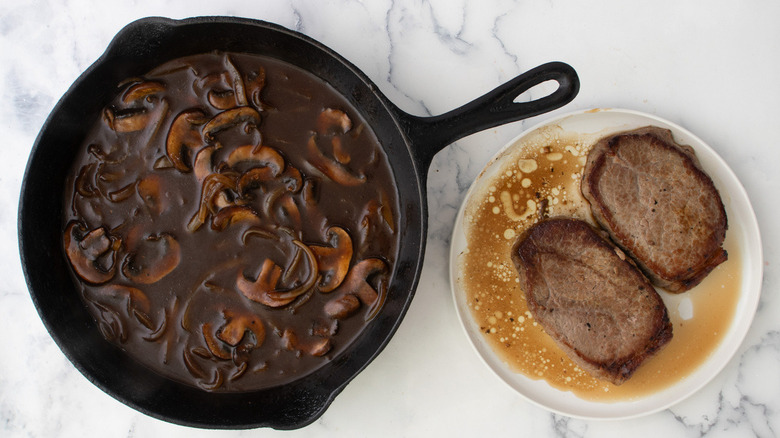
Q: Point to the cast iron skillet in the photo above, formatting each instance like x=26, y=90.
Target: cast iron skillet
x=410, y=143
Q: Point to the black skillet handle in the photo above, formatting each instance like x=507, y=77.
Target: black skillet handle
x=429, y=135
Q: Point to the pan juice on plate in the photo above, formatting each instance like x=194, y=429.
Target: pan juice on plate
x=231, y=221
x=541, y=177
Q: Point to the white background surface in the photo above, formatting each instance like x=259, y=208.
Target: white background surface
x=711, y=66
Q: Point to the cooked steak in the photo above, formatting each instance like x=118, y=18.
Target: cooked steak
x=658, y=205
x=596, y=305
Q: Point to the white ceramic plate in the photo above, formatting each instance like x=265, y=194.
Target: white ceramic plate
x=742, y=226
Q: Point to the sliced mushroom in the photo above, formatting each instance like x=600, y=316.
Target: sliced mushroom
x=183, y=137
x=128, y=119
x=136, y=116
x=159, y=256
x=203, y=164
x=222, y=99
x=356, y=286
x=252, y=178
x=333, y=260
x=202, y=352
x=292, y=179
x=291, y=342
x=123, y=193
x=211, y=342
x=142, y=90
x=211, y=188
x=320, y=347
x=333, y=121
x=293, y=267
x=339, y=151
x=115, y=156
x=357, y=279
x=219, y=92
x=85, y=252
x=225, y=199
x=266, y=282
x=114, y=182
x=264, y=291
x=257, y=155
x=381, y=289
x=308, y=282
x=342, y=307
x=270, y=200
x=163, y=163
x=331, y=168
x=241, y=358
x=215, y=382
x=84, y=181
x=150, y=190
x=236, y=327
x=240, y=370
x=229, y=118
x=234, y=214
x=236, y=81
x=254, y=86
x=258, y=233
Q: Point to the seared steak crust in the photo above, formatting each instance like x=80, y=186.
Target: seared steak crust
x=652, y=197
x=596, y=305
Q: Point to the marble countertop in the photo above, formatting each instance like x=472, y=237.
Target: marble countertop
x=710, y=66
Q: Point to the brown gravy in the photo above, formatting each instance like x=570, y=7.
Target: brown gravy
x=231, y=221
x=544, y=174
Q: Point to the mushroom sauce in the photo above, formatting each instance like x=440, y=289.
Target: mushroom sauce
x=231, y=221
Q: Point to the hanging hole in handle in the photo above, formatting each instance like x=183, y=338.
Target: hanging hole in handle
x=538, y=91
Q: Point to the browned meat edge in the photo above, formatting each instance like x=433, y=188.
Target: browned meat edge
x=672, y=277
